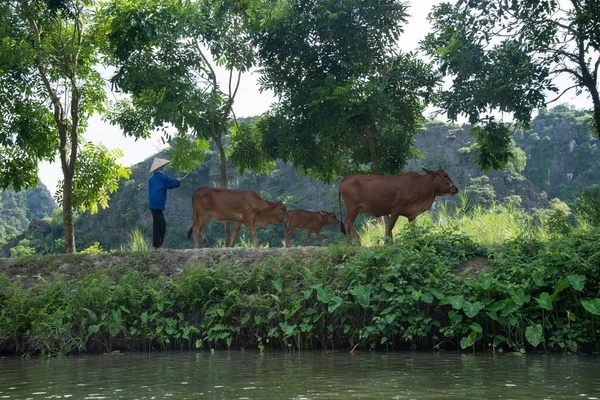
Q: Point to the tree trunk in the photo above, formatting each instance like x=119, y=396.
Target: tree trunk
x=589, y=78
x=222, y=173
x=68, y=215
x=67, y=166
x=371, y=141
x=372, y=153
x=596, y=100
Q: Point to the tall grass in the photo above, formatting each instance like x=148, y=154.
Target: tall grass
x=137, y=242
x=488, y=226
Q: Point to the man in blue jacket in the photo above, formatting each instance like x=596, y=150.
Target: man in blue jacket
x=157, y=196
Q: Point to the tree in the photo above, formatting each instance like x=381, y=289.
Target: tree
x=165, y=53
x=49, y=87
x=503, y=57
x=347, y=101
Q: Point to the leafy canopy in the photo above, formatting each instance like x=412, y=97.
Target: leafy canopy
x=97, y=174
x=345, y=98
x=165, y=53
x=502, y=58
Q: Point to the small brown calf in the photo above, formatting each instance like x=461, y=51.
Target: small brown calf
x=314, y=221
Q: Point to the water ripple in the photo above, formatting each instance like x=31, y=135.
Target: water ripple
x=306, y=375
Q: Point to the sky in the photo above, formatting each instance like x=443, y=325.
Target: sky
x=249, y=102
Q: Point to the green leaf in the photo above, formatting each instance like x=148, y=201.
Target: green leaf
x=534, y=335
x=591, y=306
x=486, y=279
x=277, y=284
x=93, y=329
x=324, y=294
x=464, y=343
x=390, y=318
x=389, y=287
x=220, y=312
x=538, y=278
x=562, y=285
x=246, y=318
x=456, y=301
x=334, y=303
x=471, y=309
x=427, y=298
x=362, y=294
x=475, y=327
x=545, y=301
x=577, y=282
x=519, y=297
x=117, y=315
x=455, y=317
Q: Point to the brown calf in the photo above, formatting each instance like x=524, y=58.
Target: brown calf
x=314, y=221
x=237, y=206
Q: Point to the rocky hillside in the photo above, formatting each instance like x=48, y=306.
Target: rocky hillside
x=18, y=210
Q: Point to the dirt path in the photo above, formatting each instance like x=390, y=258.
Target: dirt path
x=168, y=262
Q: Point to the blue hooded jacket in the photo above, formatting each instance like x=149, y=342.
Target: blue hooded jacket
x=157, y=190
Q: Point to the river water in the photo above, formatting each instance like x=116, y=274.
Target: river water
x=305, y=375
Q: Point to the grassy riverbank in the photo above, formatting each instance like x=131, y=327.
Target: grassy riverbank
x=435, y=288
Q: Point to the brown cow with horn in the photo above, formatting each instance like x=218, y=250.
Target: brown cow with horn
x=314, y=221
x=237, y=206
x=408, y=194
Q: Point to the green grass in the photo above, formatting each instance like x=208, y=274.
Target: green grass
x=491, y=226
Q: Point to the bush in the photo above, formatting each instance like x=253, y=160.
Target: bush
x=587, y=207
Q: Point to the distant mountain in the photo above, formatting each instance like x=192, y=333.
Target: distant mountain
x=17, y=209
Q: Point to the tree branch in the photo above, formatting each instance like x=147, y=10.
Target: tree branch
x=563, y=92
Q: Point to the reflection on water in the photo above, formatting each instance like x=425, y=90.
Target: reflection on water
x=306, y=375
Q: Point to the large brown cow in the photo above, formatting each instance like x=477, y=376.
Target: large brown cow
x=237, y=206
x=314, y=221
x=407, y=194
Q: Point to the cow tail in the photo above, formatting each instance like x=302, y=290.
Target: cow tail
x=190, y=233
x=342, y=228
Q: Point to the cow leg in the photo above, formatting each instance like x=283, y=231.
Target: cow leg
x=354, y=231
x=195, y=230
x=198, y=227
x=307, y=237
x=390, y=227
x=250, y=225
x=349, y=226
x=319, y=237
x=236, y=230
x=203, y=222
x=287, y=233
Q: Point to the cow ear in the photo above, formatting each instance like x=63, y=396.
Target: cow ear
x=428, y=171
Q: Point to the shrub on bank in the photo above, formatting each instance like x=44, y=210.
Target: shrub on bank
x=434, y=288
